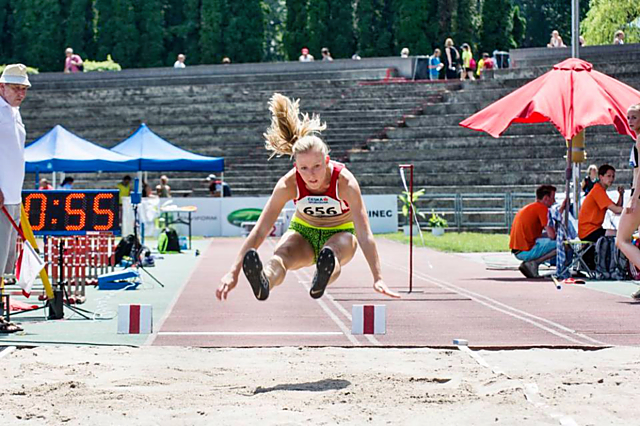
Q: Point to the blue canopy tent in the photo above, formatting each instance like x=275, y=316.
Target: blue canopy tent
x=152, y=153
x=59, y=150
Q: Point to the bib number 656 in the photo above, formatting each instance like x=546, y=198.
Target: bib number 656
x=320, y=211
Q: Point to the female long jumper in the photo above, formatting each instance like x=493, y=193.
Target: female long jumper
x=330, y=218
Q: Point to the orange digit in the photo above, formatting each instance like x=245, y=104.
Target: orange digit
x=43, y=209
x=97, y=210
x=75, y=212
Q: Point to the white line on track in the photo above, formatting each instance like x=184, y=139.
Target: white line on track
x=531, y=391
x=339, y=308
x=564, y=333
x=6, y=351
x=304, y=278
x=250, y=333
x=169, y=309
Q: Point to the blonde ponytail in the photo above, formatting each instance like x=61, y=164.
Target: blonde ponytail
x=287, y=128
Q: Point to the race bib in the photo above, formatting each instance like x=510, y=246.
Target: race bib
x=319, y=206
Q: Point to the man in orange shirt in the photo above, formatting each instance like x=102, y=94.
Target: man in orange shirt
x=527, y=242
x=594, y=209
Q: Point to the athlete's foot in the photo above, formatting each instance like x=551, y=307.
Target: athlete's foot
x=324, y=268
x=252, y=268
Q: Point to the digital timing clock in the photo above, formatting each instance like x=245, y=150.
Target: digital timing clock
x=72, y=212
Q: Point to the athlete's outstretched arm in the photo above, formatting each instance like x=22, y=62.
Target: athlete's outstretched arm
x=350, y=191
x=282, y=193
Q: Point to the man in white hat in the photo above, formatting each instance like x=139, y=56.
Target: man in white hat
x=14, y=83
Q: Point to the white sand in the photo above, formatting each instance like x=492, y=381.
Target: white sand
x=324, y=386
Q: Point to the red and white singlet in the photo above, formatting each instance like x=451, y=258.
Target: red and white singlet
x=327, y=205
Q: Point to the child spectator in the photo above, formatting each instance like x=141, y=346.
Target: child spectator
x=435, y=65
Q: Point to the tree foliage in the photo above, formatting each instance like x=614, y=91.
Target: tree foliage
x=296, y=34
x=342, y=38
x=518, y=28
x=413, y=26
x=374, y=28
x=604, y=18
x=319, y=13
x=152, y=33
x=466, y=23
x=212, y=31
x=495, y=32
x=244, y=31
x=274, y=17
x=145, y=33
x=37, y=39
x=79, y=28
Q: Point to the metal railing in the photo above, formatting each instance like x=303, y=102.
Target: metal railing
x=501, y=211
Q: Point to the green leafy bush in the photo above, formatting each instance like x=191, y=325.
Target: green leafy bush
x=29, y=69
x=408, y=201
x=437, y=221
x=108, y=65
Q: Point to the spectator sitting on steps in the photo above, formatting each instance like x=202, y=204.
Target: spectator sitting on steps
x=179, y=63
x=556, y=40
x=44, y=185
x=527, y=242
x=326, y=55
x=305, y=57
x=72, y=62
x=216, y=185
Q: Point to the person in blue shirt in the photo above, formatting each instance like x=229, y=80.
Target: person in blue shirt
x=435, y=65
x=67, y=183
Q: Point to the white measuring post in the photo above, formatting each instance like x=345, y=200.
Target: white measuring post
x=368, y=319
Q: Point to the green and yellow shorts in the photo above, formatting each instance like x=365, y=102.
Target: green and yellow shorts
x=317, y=236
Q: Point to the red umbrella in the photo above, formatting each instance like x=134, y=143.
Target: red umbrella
x=572, y=96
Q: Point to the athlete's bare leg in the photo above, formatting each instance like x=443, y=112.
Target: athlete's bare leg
x=344, y=246
x=292, y=252
x=629, y=222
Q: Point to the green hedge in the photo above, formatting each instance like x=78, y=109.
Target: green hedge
x=29, y=69
x=108, y=65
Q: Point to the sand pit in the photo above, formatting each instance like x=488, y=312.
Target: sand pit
x=285, y=386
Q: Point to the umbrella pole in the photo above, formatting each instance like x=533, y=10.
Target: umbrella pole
x=568, y=179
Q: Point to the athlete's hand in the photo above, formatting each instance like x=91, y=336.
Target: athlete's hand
x=227, y=283
x=633, y=204
x=382, y=288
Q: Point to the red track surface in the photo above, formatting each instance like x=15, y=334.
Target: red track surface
x=456, y=298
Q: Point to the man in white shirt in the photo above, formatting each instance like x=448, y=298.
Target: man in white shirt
x=306, y=56
x=13, y=89
x=180, y=62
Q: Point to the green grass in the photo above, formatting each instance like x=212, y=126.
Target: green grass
x=456, y=242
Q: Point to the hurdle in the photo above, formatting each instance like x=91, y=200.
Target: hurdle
x=85, y=257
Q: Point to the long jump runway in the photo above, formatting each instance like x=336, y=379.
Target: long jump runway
x=453, y=297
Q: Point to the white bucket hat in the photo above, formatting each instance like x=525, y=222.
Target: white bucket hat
x=15, y=74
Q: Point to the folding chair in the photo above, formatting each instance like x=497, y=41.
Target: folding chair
x=575, y=261
x=570, y=249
